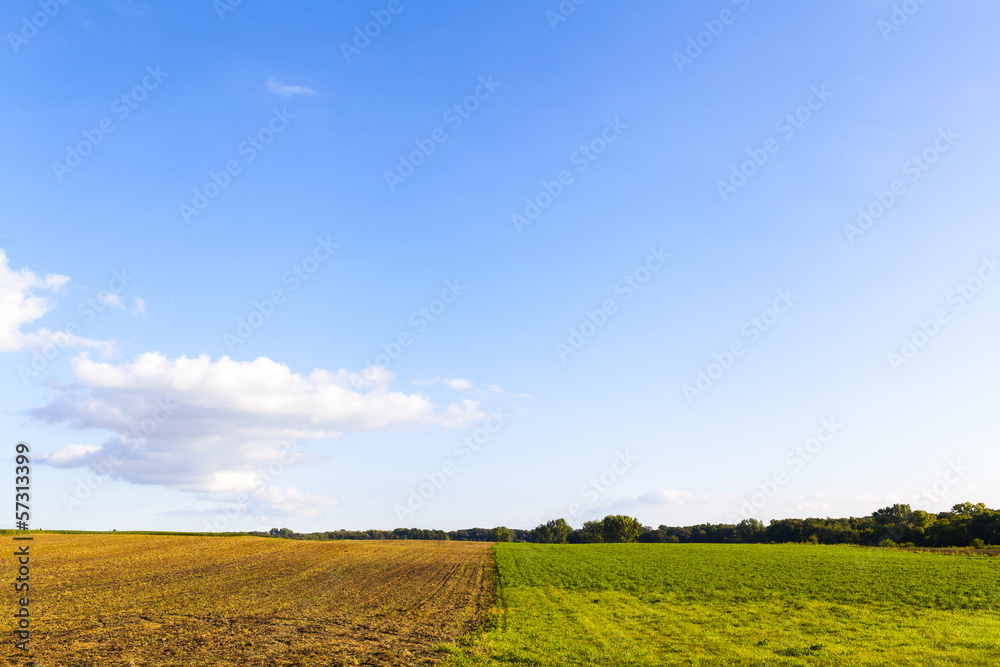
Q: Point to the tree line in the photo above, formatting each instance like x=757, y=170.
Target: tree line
x=965, y=525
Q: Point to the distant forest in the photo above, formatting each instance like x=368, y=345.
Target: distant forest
x=965, y=525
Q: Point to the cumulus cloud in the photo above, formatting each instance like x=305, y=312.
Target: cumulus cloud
x=290, y=501
x=211, y=426
x=25, y=298
x=267, y=503
x=663, y=505
x=278, y=88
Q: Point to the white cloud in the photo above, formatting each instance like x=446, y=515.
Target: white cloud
x=140, y=306
x=68, y=454
x=278, y=88
x=211, y=426
x=664, y=497
x=266, y=503
x=290, y=501
x=462, y=384
x=20, y=304
x=111, y=300
x=458, y=384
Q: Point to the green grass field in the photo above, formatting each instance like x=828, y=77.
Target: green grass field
x=670, y=604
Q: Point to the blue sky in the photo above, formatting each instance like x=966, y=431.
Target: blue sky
x=676, y=175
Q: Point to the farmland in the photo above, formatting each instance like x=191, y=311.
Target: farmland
x=171, y=600
x=144, y=600
x=653, y=604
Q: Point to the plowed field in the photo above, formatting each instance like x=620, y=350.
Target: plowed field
x=171, y=600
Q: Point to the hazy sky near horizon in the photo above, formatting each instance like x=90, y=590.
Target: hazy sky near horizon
x=381, y=264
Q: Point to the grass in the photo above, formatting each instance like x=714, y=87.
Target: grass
x=664, y=604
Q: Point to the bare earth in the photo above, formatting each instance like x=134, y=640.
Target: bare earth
x=171, y=600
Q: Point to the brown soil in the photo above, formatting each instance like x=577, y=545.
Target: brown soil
x=144, y=600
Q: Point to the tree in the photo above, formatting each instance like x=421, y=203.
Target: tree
x=502, y=534
x=968, y=509
x=620, y=528
x=891, y=516
x=592, y=531
x=552, y=532
x=750, y=530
